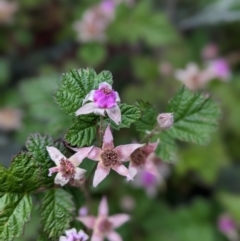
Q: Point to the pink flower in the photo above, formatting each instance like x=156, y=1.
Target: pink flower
x=108, y=6
x=7, y=9
x=193, y=77
x=110, y=157
x=228, y=227
x=73, y=235
x=83, y=211
x=220, y=69
x=102, y=100
x=103, y=225
x=67, y=168
x=149, y=181
x=141, y=159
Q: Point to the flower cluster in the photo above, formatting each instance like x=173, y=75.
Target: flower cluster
x=141, y=158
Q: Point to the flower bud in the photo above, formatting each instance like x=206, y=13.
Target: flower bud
x=165, y=120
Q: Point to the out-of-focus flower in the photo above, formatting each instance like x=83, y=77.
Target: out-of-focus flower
x=95, y=21
x=7, y=9
x=192, y=77
x=165, y=120
x=141, y=159
x=210, y=51
x=67, y=168
x=110, y=157
x=83, y=211
x=165, y=68
x=219, y=68
x=10, y=119
x=73, y=235
x=127, y=203
x=104, y=225
x=228, y=227
x=150, y=182
x=102, y=100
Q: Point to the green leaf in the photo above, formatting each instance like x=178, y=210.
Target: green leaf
x=152, y=27
x=56, y=212
x=195, y=117
x=83, y=131
x=130, y=114
x=15, y=211
x=75, y=85
x=23, y=175
x=166, y=148
x=148, y=118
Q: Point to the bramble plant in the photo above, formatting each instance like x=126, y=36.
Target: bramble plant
x=51, y=170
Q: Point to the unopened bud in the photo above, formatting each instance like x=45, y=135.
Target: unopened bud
x=165, y=120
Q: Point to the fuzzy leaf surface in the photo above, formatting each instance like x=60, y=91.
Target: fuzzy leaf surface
x=22, y=175
x=76, y=84
x=56, y=212
x=195, y=117
x=83, y=131
x=15, y=211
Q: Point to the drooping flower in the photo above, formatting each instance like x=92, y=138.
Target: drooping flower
x=104, y=225
x=67, y=168
x=228, y=227
x=192, y=77
x=150, y=182
x=7, y=9
x=102, y=100
x=219, y=68
x=141, y=159
x=165, y=120
x=110, y=157
x=73, y=235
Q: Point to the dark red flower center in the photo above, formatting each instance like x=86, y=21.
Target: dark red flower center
x=109, y=157
x=67, y=169
x=139, y=156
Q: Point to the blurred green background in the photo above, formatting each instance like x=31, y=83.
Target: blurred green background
x=143, y=43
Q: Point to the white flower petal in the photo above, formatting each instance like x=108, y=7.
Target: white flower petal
x=79, y=173
x=108, y=139
x=63, y=238
x=55, y=154
x=117, y=97
x=132, y=169
x=103, y=207
x=104, y=84
x=78, y=157
x=114, y=236
x=122, y=170
x=71, y=231
x=89, y=97
x=100, y=173
x=114, y=113
x=99, y=111
x=118, y=219
x=86, y=109
x=59, y=179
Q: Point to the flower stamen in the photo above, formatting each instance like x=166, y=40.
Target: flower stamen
x=67, y=169
x=109, y=158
